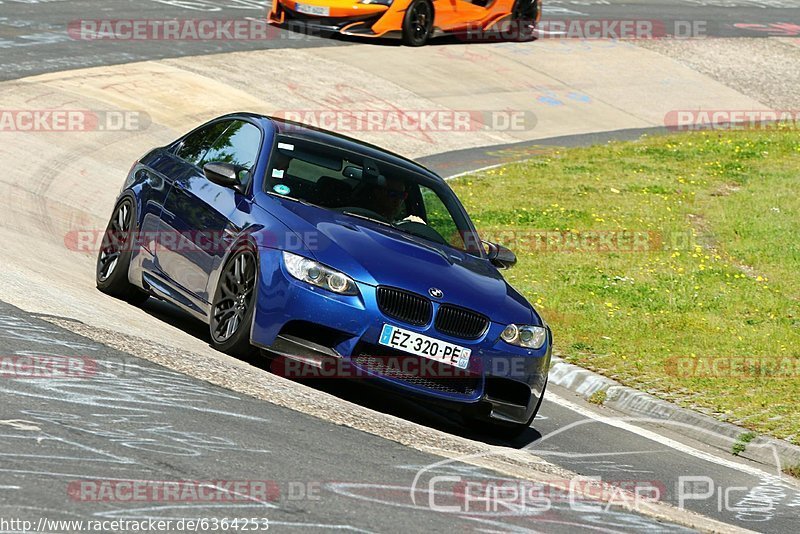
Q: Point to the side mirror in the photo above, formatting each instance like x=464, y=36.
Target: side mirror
x=500, y=256
x=224, y=174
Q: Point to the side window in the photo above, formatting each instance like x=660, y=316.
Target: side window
x=238, y=145
x=439, y=218
x=197, y=144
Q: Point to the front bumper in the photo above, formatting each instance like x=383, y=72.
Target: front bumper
x=347, y=19
x=340, y=334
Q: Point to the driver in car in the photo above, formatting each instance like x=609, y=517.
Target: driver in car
x=388, y=199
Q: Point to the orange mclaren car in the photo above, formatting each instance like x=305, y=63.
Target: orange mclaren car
x=415, y=21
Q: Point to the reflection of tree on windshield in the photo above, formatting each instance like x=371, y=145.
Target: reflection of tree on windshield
x=234, y=142
x=236, y=146
x=198, y=144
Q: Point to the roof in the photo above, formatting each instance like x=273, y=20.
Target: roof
x=312, y=133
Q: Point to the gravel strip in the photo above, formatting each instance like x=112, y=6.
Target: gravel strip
x=765, y=69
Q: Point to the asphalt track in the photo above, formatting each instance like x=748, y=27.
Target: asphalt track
x=619, y=450
x=201, y=432
x=456, y=162
x=34, y=36
x=121, y=418
x=70, y=444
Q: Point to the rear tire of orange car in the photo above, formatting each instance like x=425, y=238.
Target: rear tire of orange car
x=417, y=23
x=523, y=17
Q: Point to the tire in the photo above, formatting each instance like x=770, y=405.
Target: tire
x=417, y=23
x=114, y=258
x=506, y=431
x=234, y=303
x=523, y=18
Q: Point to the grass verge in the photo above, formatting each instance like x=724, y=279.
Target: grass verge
x=669, y=264
x=598, y=397
x=741, y=443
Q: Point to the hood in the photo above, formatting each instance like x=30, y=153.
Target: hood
x=376, y=254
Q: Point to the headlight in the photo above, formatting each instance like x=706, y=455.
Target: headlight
x=316, y=274
x=379, y=2
x=526, y=336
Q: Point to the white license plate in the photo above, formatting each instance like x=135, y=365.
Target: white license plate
x=434, y=349
x=320, y=11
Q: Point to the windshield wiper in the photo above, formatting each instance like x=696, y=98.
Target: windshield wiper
x=293, y=199
x=371, y=219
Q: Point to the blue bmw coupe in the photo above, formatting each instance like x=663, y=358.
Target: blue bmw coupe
x=316, y=248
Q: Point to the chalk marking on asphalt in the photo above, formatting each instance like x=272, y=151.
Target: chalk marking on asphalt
x=18, y=424
x=658, y=438
x=81, y=476
x=142, y=513
x=623, y=424
x=576, y=527
x=102, y=456
x=320, y=525
x=135, y=514
x=254, y=502
x=495, y=517
x=75, y=396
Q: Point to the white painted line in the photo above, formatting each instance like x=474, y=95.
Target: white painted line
x=658, y=438
x=490, y=167
x=592, y=454
x=476, y=171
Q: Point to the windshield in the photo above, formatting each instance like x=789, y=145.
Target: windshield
x=355, y=185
